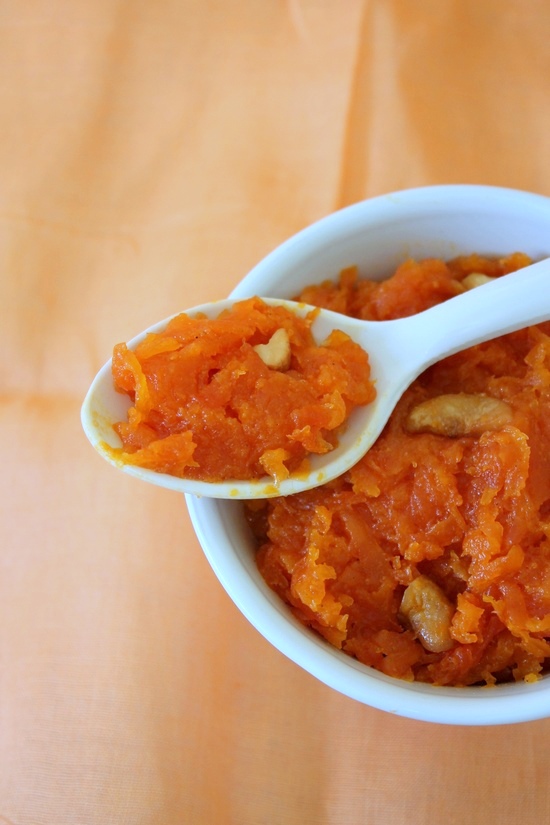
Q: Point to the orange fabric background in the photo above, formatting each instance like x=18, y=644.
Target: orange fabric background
x=151, y=153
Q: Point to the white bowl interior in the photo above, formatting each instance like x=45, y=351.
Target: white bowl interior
x=377, y=235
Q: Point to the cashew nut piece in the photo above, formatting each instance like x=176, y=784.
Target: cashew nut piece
x=475, y=279
x=458, y=414
x=276, y=353
x=428, y=612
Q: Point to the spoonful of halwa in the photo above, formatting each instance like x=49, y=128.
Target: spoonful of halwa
x=264, y=397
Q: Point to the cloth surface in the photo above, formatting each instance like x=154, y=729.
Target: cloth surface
x=151, y=154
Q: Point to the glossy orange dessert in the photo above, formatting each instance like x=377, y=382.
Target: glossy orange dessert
x=430, y=559
x=247, y=394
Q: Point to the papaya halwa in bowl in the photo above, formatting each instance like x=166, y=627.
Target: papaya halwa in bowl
x=419, y=582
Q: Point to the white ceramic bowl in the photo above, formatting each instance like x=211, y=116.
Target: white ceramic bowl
x=377, y=235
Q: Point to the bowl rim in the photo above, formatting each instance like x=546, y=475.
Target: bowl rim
x=502, y=704
x=384, y=208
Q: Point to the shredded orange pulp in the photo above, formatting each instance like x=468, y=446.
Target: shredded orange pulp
x=206, y=406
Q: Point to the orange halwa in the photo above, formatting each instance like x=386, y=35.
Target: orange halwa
x=243, y=395
x=430, y=559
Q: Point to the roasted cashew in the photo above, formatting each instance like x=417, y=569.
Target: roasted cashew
x=475, y=279
x=458, y=414
x=428, y=612
x=276, y=353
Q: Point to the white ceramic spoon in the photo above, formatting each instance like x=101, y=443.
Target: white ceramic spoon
x=398, y=352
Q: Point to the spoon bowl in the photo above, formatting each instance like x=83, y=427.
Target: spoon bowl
x=398, y=351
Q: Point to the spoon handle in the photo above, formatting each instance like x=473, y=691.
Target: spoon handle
x=508, y=303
